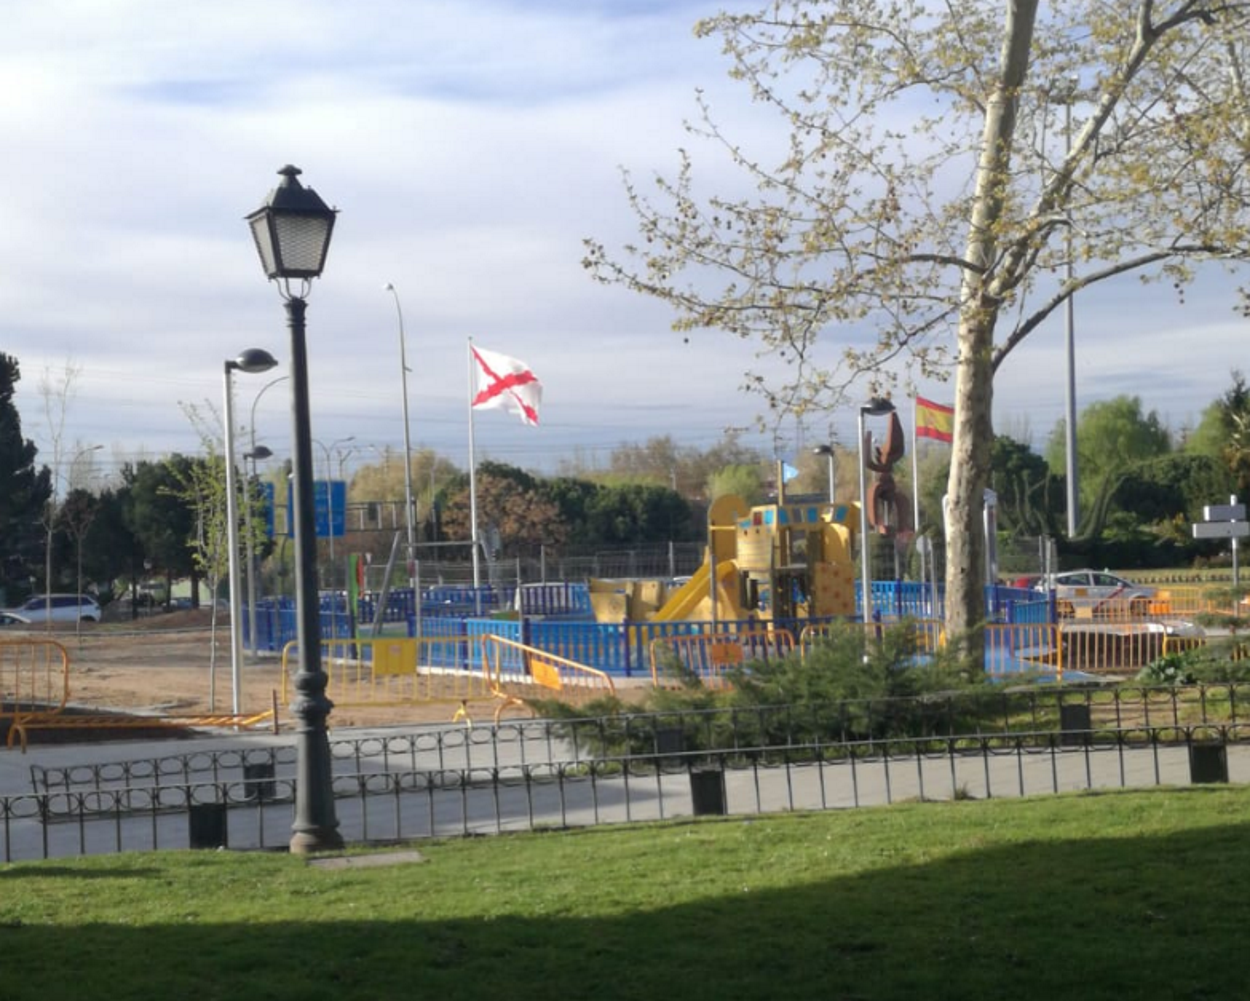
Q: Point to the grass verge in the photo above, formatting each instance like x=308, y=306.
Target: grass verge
x=1122, y=895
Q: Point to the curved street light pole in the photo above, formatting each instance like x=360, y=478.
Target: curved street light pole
x=255, y=453
x=252, y=361
x=256, y=400
x=50, y=525
x=403, y=377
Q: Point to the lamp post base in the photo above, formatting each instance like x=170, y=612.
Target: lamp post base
x=315, y=827
x=319, y=840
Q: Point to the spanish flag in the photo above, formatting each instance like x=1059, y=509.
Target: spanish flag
x=934, y=420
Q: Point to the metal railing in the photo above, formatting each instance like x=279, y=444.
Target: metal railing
x=523, y=774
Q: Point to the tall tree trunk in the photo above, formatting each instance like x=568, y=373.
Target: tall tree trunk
x=974, y=391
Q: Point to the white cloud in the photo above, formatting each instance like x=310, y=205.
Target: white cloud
x=470, y=148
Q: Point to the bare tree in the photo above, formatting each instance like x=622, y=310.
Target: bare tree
x=201, y=485
x=57, y=391
x=78, y=511
x=928, y=210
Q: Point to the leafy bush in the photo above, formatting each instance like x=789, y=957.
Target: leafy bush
x=852, y=686
x=849, y=686
x=1170, y=669
x=1219, y=670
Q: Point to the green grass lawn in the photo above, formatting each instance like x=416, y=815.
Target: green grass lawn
x=1118, y=896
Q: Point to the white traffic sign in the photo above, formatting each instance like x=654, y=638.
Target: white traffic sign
x=1224, y=512
x=1221, y=529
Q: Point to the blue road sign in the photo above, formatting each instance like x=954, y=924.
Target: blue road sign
x=266, y=490
x=329, y=497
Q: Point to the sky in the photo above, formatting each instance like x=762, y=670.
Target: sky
x=469, y=148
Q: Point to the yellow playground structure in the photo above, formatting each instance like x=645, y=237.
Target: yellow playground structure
x=774, y=561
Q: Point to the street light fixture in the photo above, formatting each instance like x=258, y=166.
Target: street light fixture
x=876, y=407
x=403, y=377
x=292, y=232
x=252, y=361
x=828, y=452
x=255, y=453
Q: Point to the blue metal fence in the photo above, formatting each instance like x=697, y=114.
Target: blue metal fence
x=558, y=618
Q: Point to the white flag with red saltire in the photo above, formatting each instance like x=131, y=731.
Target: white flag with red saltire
x=500, y=381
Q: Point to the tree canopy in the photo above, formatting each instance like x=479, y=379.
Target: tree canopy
x=159, y=517
x=24, y=489
x=929, y=209
x=1224, y=433
x=1112, y=436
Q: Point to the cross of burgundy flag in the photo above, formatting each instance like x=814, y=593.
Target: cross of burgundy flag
x=500, y=381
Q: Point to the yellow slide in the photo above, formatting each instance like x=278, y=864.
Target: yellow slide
x=683, y=603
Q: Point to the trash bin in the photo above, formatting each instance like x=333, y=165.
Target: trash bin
x=1074, y=724
x=259, y=784
x=206, y=823
x=669, y=740
x=1208, y=762
x=707, y=791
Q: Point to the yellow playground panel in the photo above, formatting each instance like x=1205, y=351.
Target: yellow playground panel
x=774, y=561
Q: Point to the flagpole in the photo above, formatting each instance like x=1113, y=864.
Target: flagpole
x=477, y=570
x=915, y=467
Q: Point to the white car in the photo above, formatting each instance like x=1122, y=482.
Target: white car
x=41, y=608
x=13, y=619
x=1100, y=592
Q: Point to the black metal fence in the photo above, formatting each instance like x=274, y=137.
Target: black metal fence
x=524, y=775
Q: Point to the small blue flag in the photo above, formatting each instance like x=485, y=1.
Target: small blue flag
x=788, y=472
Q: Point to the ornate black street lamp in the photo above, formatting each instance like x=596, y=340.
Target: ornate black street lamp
x=292, y=232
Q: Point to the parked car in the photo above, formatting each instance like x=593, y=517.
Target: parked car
x=1101, y=592
x=13, y=619
x=124, y=606
x=38, y=609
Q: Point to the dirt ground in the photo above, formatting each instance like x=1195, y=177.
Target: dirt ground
x=174, y=663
